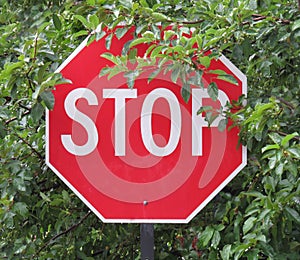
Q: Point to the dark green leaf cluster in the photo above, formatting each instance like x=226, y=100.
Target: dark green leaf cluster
x=256, y=216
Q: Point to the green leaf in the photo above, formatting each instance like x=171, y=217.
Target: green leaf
x=279, y=169
x=37, y=112
x=108, y=40
x=270, y=147
x=156, y=30
x=150, y=49
x=229, y=78
x=159, y=16
x=267, y=249
x=196, y=80
x=293, y=214
x=91, y=2
x=270, y=183
x=139, y=41
x=292, y=168
x=131, y=76
x=222, y=124
x=80, y=33
x=48, y=98
x=37, y=91
x=3, y=131
x=255, y=194
x=120, y=32
x=206, y=236
x=126, y=3
x=272, y=162
x=132, y=56
x=287, y=138
x=14, y=91
x=56, y=22
x=10, y=67
x=148, y=35
x=43, y=27
x=104, y=71
x=276, y=138
x=205, y=61
x=110, y=57
x=218, y=72
x=156, y=51
x=237, y=52
x=210, y=117
x=94, y=20
x=186, y=92
x=115, y=71
x=226, y=252
x=294, y=151
x=215, y=241
x=154, y=74
x=61, y=81
x=91, y=39
x=263, y=214
x=249, y=223
x=176, y=68
x=140, y=28
x=168, y=34
x=45, y=197
x=213, y=90
x=83, y=20
x=100, y=35
x=20, y=208
x=204, y=109
x=296, y=25
x=126, y=48
x=41, y=72
x=240, y=249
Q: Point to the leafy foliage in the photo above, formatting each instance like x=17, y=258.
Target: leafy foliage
x=255, y=217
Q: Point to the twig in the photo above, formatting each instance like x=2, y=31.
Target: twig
x=15, y=118
x=188, y=22
x=34, y=54
x=288, y=104
x=63, y=233
x=285, y=134
x=31, y=147
x=33, y=61
x=259, y=17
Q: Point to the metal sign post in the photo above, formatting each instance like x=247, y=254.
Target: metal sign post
x=147, y=241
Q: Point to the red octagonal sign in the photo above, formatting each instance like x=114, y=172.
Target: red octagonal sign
x=141, y=154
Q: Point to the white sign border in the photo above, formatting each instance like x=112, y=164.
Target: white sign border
x=242, y=77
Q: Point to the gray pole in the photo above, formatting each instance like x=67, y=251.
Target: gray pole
x=147, y=241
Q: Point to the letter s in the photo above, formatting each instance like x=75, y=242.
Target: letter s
x=81, y=118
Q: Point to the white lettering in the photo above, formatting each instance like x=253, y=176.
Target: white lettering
x=198, y=121
x=81, y=118
x=120, y=95
x=146, y=125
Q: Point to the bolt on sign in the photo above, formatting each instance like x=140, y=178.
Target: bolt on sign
x=140, y=154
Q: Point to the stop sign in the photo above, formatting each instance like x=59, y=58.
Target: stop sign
x=141, y=154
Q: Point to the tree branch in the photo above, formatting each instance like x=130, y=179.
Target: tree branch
x=15, y=118
x=34, y=54
x=33, y=62
x=259, y=17
x=31, y=147
x=297, y=138
x=288, y=104
x=188, y=22
x=63, y=233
